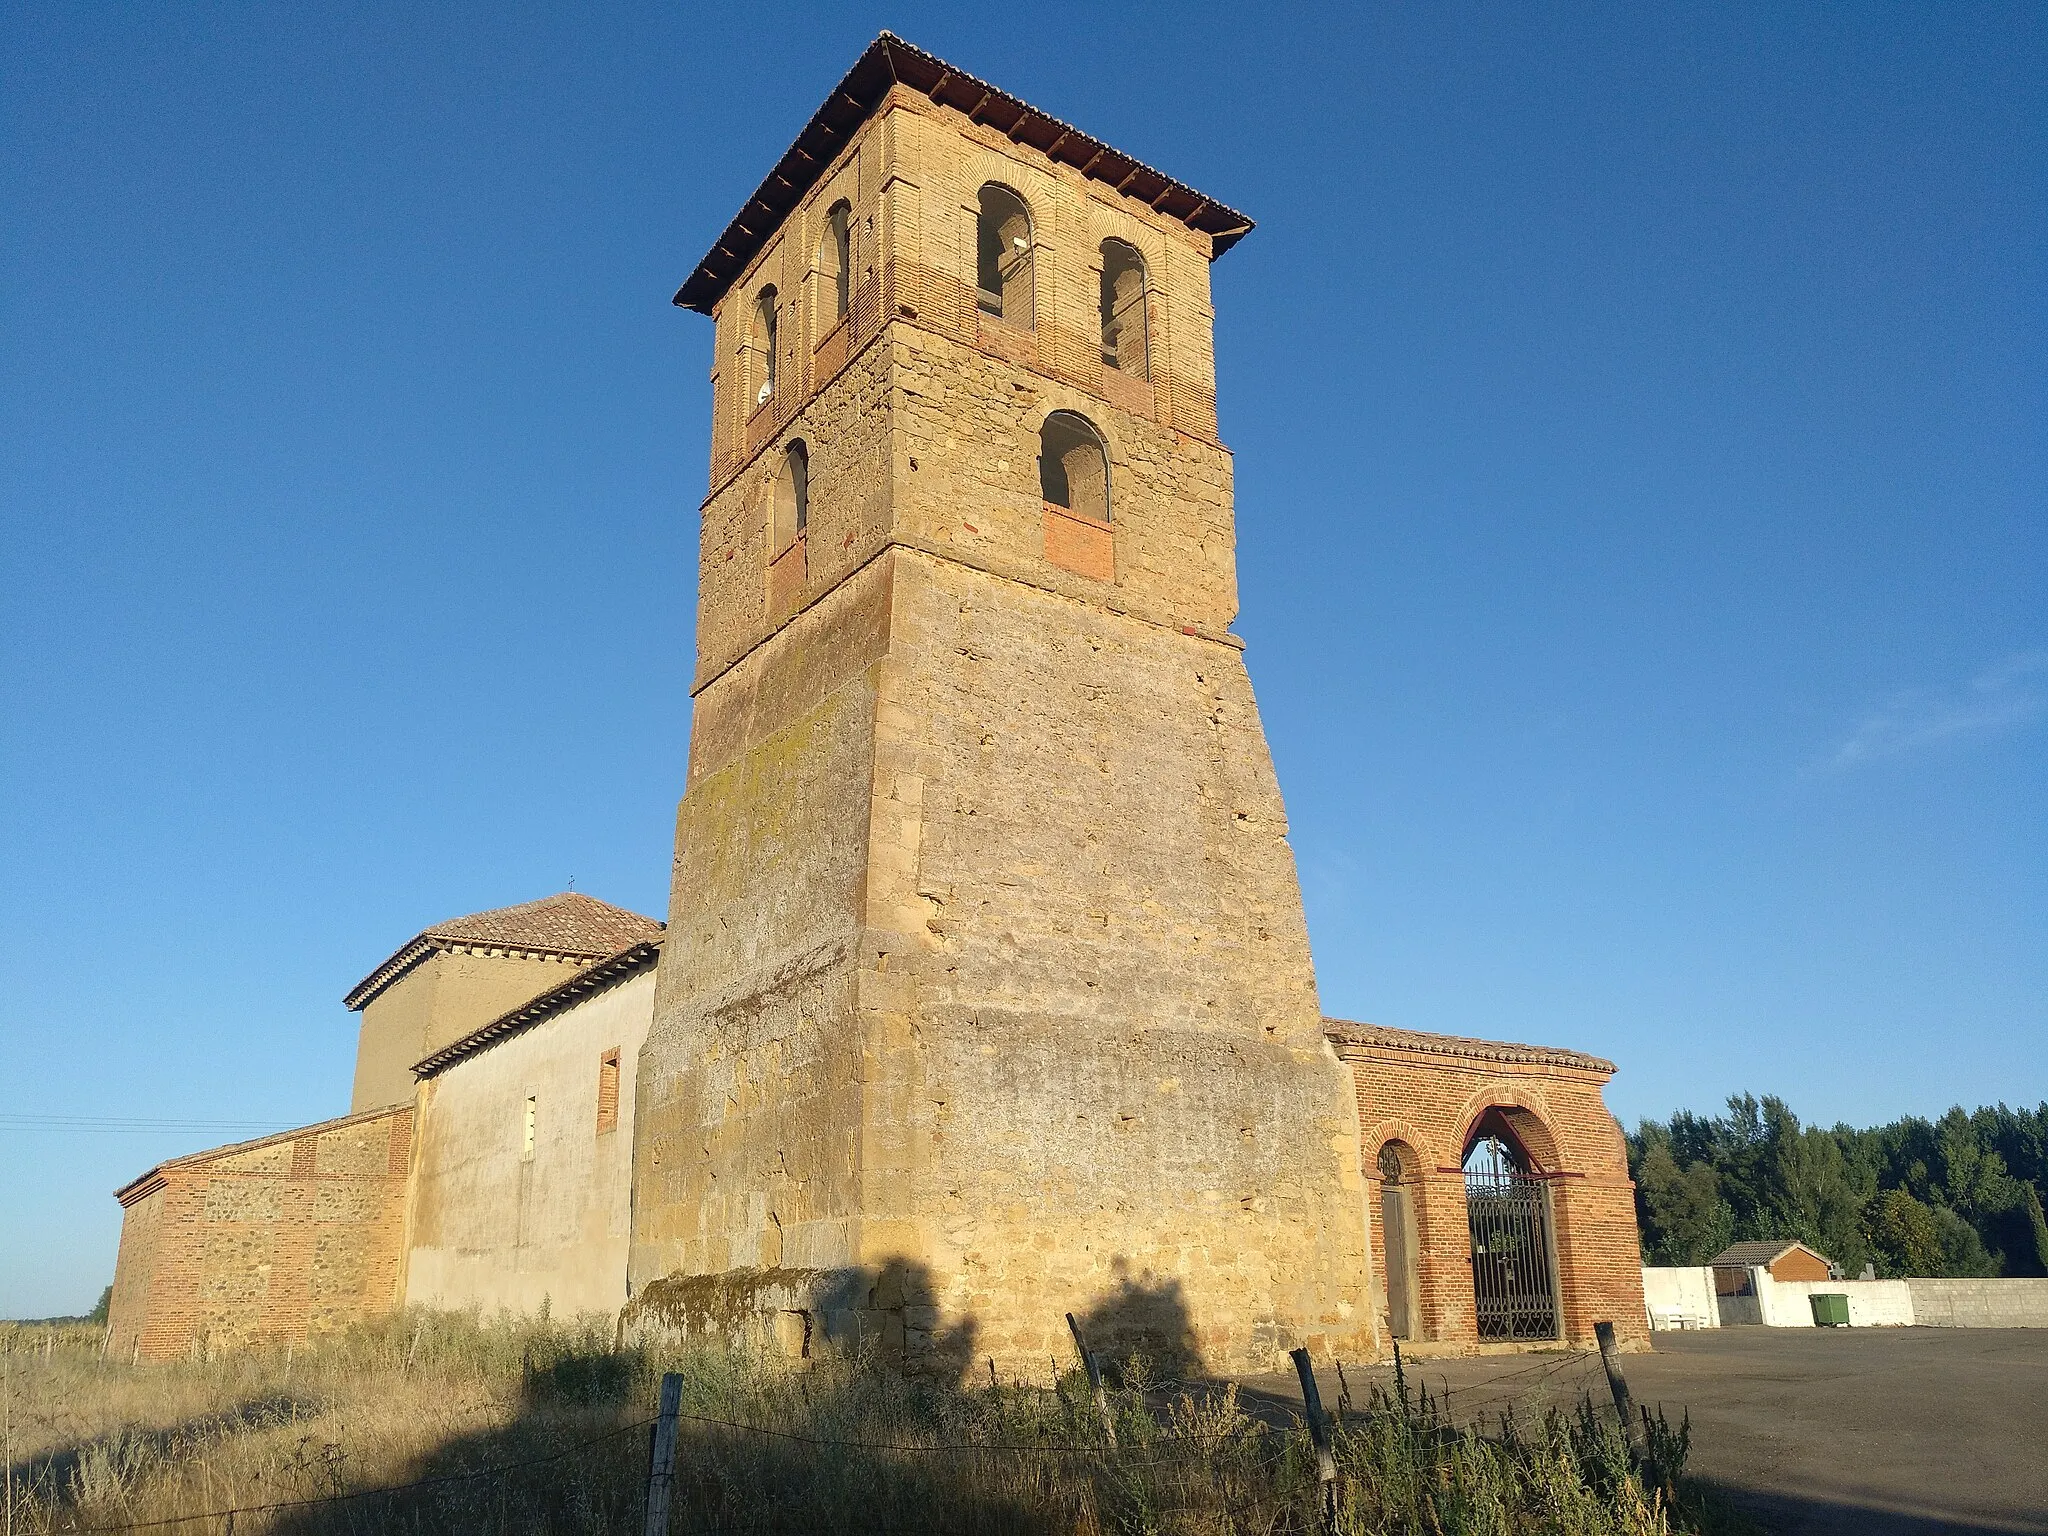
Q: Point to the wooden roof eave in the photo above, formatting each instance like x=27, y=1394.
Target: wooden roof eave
x=889, y=61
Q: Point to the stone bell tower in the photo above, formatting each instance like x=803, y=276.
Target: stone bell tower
x=987, y=993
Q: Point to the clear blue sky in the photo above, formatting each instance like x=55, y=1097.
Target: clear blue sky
x=1639, y=414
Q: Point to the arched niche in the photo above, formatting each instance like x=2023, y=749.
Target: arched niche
x=791, y=500
x=1126, y=341
x=1073, y=466
x=835, y=264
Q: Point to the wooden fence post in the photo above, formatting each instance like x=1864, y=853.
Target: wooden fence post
x=661, y=1466
x=1094, y=1369
x=1618, y=1385
x=1319, y=1435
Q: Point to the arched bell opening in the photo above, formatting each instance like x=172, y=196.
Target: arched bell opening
x=1003, y=257
x=764, y=346
x=835, y=265
x=1126, y=346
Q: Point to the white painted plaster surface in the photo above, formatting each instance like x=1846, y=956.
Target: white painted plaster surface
x=494, y=1229
x=1680, y=1297
x=1872, y=1303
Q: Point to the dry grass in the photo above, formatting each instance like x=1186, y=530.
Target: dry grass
x=530, y=1426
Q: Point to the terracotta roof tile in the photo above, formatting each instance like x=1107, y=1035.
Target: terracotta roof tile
x=571, y=924
x=627, y=962
x=1768, y=1251
x=1345, y=1032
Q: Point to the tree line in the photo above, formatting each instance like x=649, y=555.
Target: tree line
x=1958, y=1196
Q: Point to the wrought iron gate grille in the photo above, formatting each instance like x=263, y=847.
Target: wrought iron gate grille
x=1512, y=1283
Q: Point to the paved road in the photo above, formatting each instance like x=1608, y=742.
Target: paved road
x=1862, y=1432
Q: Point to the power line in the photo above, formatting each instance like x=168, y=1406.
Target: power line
x=118, y=1124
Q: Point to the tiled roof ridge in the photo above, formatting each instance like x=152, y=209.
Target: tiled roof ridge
x=129, y=1192
x=889, y=61
x=1350, y=1032
x=613, y=968
x=568, y=923
x=1767, y=1250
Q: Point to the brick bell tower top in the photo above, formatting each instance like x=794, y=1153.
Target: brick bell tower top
x=920, y=195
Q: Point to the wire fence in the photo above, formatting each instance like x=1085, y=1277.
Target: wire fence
x=1204, y=1451
x=228, y=1516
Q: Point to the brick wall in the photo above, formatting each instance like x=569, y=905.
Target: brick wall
x=265, y=1241
x=921, y=415
x=1428, y=1093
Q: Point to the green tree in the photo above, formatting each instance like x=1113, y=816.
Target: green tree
x=1903, y=1234
x=1974, y=1182
x=1980, y=1179
x=103, y=1307
x=1962, y=1249
x=1683, y=1218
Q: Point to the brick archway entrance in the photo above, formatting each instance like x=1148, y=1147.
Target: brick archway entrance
x=1569, y=1212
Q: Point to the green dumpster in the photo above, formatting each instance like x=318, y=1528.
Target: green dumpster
x=1830, y=1311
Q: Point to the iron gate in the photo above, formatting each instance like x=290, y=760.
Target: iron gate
x=1513, y=1283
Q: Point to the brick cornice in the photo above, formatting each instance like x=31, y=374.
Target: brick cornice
x=154, y=1179
x=1362, y=1042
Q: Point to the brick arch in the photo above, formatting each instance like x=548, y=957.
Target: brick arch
x=1528, y=1121
x=1102, y=222
x=1054, y=397
x=1034, y=183
x=1395, y=1130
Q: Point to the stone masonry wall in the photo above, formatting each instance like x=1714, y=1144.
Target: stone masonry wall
x=987, y=996
x=748, y=1134
x=1102, y=1080
x=269, y=1241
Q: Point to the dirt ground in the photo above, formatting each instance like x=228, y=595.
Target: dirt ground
x=1870, y=1431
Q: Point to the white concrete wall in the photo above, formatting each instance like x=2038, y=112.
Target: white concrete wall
x=1872, y=1303
x=492, y=1228
x=1680, y=1298
x=1979, y=1303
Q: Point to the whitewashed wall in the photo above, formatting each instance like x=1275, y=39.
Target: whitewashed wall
x=1872, y=1303
x=1680, y=1297
x=492, y=1228
x=1667, y=1293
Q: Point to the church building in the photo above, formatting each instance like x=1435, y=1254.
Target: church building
x=985, y=994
